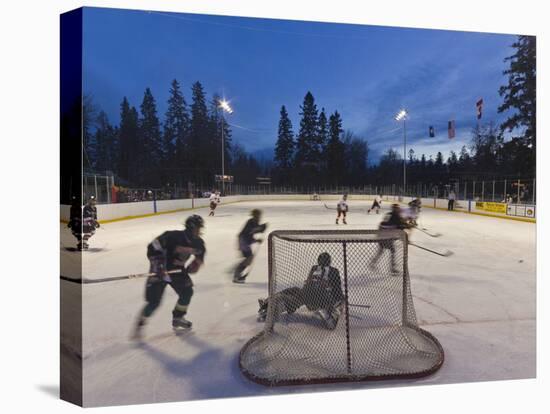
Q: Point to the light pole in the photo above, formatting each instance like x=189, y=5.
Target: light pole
x=224, y=105
x=402, y=116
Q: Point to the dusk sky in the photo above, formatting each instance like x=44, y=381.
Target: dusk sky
x=367, y=73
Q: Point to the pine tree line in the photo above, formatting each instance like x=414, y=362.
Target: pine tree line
x=321, y=152
x=186, y=147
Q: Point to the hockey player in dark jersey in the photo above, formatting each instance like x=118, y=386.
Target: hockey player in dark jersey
x=411, y=214
x=75, y=220
x=376, y=204
x=89, y=222
x=392, y=221
x=168, y=255
x=321, y=293
x=246, y=240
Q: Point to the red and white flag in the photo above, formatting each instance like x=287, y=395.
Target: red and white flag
x=479, y=106
x=451, y=129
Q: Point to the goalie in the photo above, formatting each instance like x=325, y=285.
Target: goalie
x=321, y=293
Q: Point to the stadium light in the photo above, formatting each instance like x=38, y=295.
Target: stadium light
x=402, y=116
x=224, y=105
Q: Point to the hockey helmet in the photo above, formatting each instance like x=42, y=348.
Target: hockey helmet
x=256, y=213
x=194, y=222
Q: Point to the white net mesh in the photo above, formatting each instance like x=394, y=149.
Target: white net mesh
x=339, y=309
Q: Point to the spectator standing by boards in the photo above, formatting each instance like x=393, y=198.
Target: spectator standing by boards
x=452, y=197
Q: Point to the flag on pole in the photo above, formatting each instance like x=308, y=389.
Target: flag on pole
x=479, y=106
x=451, y=129
x=432, y=132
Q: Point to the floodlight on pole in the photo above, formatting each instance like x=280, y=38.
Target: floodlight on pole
x=402, y=116
x=224, y=105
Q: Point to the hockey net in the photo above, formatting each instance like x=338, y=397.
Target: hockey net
x=376, y=335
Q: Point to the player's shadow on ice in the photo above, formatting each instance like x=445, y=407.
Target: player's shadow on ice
x=210, y=359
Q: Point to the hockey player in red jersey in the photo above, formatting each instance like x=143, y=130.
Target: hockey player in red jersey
x=342, y=209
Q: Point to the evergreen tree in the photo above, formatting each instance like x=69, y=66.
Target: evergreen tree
x=520, y=92
x=199, y=132
x=307, y=148
x=106, y=144
x=128, y=158
x=334, y=151
x=151, y=148
x=176, y=130
x=284, y=148
x=322, y=133
x=89, y=118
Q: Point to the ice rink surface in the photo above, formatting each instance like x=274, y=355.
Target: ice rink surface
x=479, y=303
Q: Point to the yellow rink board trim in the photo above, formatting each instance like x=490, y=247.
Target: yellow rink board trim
x=523, y=219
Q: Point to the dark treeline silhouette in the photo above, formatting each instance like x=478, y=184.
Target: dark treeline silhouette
x=185, y=146
x=323, y=153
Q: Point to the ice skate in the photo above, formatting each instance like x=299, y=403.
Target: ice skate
x=239, y=278
x=328, y=318
x=137, y=335
x=262, y=312
x=180, y=325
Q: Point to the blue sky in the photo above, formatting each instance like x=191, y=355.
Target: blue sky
x=367, y=73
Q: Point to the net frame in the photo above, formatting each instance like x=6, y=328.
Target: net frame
x=408, y=320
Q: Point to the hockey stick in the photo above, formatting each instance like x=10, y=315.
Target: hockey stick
x=329, y=208
x=446, y=253
x=114, y=278
x=355, y=305
x=425, y=231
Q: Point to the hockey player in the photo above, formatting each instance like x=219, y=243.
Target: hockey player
x=246, y=240
x=410, y=214
x=170, y=252
x=376, y=204
x=214, y=201
x=321, y=293
x=393, y=220
x=342, y=209
x=89, y=222
x=75, y=221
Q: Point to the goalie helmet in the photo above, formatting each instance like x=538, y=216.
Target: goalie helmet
x=324, y=259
